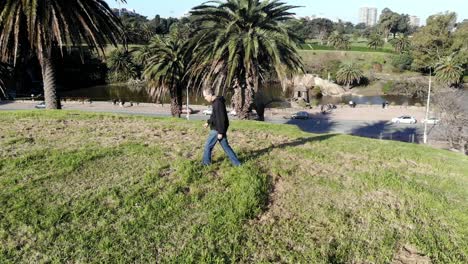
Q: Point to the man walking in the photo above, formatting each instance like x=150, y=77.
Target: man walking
x=219, y=123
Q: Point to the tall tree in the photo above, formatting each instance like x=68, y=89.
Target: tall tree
x=43, y=26
x=402, y=25
x=165, y=69
x=433, y=41
x=323, y=28
x=240, y=42
x=387, y=21
x=460, y=45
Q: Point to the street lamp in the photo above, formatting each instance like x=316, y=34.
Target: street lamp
x=427, y=106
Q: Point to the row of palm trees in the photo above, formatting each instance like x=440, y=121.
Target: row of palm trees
x=237, y=46
x=400, y=43
x=448, y=70
x=237, y=43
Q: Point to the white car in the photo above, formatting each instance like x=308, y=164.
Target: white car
x=404, y=120
x=208, y=111
x=41, y=105
x=233, y=113
x=300, y=115
x=431, y=121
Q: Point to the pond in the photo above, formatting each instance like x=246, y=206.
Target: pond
x=133, y=94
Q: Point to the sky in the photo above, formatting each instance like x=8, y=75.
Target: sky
x=346, y=10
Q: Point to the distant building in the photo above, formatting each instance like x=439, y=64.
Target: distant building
x=368, y=16
x=124, y=11
x=415, y=21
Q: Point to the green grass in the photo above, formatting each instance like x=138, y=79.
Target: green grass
x=316, y=59
x=94, y=188
x=360, y=48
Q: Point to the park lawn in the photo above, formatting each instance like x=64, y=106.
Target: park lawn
x=357, y=48
x=92, y=188
x=366, y=60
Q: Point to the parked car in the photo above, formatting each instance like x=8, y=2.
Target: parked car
x=41, y=105
x=404, y=120
x=208, y=111
x=232, y=113
x=300, y=115
x=431, y=121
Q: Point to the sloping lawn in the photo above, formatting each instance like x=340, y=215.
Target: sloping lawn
x=93, y=188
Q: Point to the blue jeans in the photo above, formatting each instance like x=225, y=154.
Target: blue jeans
x=210, y=144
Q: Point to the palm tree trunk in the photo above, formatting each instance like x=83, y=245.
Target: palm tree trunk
x=175, y=108
x=51, y=97
x=238, y=100
x=243, y=99
x=176, y=99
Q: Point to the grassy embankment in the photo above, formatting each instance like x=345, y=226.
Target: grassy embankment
x=82, y=187
x=317, y=58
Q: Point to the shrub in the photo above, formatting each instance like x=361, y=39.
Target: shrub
x=121, y=66
x=402, y=62
x=316, y=91
x=332, y=67
x=314, y=102
x=387, y=87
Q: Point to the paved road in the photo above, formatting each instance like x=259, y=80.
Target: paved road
x=318, y=124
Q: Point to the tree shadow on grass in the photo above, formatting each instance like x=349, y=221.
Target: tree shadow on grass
x=254, y=154
x=388, y=131
x=373, y=130
x=317, y=123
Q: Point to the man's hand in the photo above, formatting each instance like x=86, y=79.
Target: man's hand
x=220, y=136
x=205, y=125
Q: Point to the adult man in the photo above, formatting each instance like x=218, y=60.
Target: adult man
x=219, y=123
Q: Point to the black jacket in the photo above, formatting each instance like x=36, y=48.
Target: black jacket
x=219, y=120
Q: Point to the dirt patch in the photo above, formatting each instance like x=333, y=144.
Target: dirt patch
x=410, y=255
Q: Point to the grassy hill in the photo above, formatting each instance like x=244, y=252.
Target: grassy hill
x=314, y=60
x=80, y=188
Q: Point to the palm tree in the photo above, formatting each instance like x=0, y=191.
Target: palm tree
x=238, y=43
x=401, y=43
x=121, y=66
x=5, y=73
x=42, y=27
x=375, y=41
x=348, y=74
x=339, y=41
x=165, y=69
x=449, y=71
